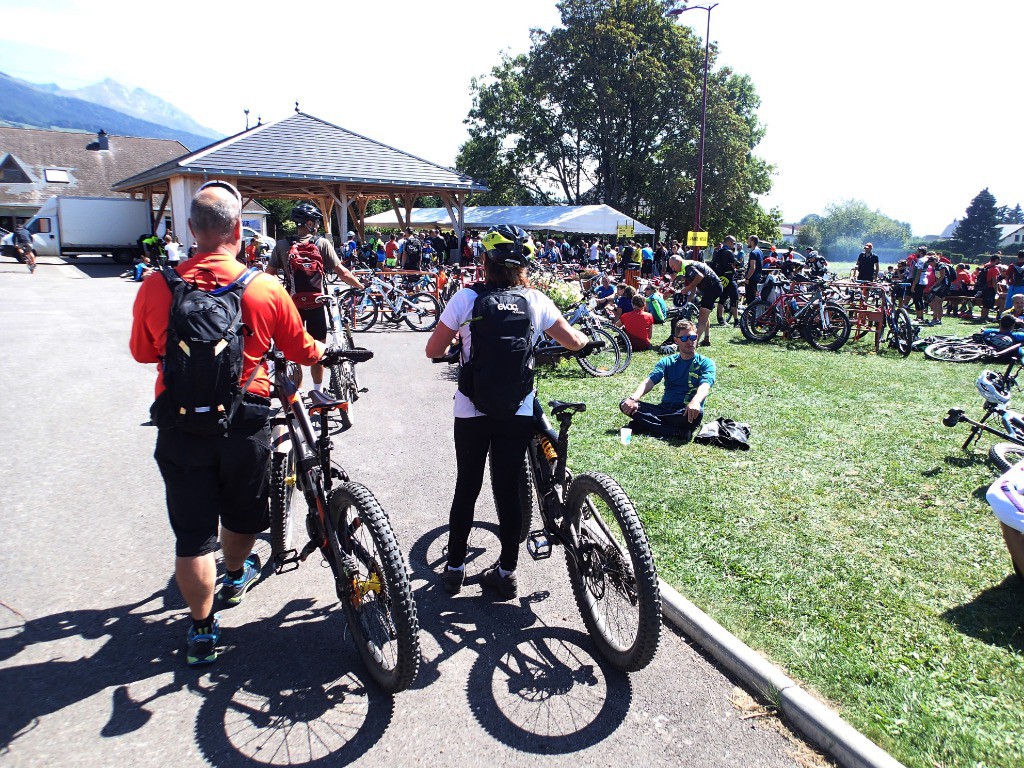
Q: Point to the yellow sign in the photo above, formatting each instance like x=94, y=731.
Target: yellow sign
x=697, y=239
x=623, y=230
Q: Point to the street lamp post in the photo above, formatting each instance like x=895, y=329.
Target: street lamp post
x=675, y=12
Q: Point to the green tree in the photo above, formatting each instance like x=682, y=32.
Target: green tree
x=978, y=231
x=605, y=108
x=846, y=225
x=1007, y=215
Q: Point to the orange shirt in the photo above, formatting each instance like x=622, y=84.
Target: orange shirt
x=267, y=310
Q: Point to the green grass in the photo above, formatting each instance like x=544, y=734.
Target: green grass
x=852, y=544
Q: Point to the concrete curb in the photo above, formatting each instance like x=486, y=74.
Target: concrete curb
x=819, y=724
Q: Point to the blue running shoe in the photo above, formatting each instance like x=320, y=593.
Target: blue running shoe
x=233, y=590
x=202, y=644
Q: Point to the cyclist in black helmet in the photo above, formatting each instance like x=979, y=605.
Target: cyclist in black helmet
x=307, y=220
x=508, y=250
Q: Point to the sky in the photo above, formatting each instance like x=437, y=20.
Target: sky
x=912, y=106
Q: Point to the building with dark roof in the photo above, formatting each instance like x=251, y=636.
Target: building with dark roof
x=305, y=158
x=36, y=164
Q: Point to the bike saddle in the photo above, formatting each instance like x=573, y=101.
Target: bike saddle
x=558, y=406
x=322, y=402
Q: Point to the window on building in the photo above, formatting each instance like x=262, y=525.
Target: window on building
x=12, y=173
x=56, y=176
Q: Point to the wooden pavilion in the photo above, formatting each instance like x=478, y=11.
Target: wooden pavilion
x=305, y=158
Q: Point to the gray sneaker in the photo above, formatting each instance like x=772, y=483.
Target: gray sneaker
x=452, y=580
x=506, y=586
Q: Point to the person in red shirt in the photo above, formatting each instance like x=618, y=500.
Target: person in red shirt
x=638, y=325
x=221, y=479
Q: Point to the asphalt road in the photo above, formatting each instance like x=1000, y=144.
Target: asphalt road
x=92, y=627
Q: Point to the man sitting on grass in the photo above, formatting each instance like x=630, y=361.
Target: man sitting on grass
x=688, y=380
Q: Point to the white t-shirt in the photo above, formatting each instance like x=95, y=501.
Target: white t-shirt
x=460, y=309
x=593, y=251
x=173, y=252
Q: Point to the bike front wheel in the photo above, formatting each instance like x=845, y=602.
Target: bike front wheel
x=1005, y=455
x=903, y=330
x=828, y=328
x=282, y=492
x=623, y=343
x=604, y=362
x=374, y=589
x=612, y=573
x=362, y=310
x=422, y=312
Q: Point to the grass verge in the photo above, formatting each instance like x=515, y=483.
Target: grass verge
x=852, y=544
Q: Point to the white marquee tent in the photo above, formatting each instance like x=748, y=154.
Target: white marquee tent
x=580, y=219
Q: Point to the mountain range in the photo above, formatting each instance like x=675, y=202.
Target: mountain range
x=107, y=105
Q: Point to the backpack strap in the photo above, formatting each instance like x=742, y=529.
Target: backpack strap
x=241, y=281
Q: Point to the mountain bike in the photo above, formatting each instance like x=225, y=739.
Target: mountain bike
x=823, y=324
x=420, y=311
x=343, y=384
x=347, y=524
x=979, y=347
x=591, y=323
x=900, y=331
x=996, y=389
x=611, y=568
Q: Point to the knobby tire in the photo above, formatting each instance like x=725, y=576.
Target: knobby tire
x=760, y=321
x=829, y=339
x=1005, y=455
x=383, y=622
x=615, y=576
x=604, y=362
x=282, y=492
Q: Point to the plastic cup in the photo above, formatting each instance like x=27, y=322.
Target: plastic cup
x=625, y=435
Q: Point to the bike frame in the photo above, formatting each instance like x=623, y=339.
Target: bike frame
x=313, y=474
x=551, y=485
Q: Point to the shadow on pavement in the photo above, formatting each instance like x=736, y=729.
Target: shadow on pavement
x=993, y=616
x=262, y=703
x=535, y=688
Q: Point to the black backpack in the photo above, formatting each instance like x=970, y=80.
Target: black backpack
x=203, y=360
x=499, y=374
x=413, y=249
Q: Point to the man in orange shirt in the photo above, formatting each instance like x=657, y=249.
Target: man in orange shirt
x=217, y=479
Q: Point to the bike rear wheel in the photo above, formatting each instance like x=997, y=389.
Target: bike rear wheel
x=1005, y=455
x=377, y=599
x=525, y=492
x=760, y=321
x=613, y=576
x=282, y=493
x=604, y=362
x=423, y=312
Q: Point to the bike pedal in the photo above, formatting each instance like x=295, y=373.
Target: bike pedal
x=538, y=544
x=286, y=561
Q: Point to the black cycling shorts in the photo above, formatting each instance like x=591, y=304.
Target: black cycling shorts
x=315, y=322
x=939, y=290
x=709, y=297
x=211, y=481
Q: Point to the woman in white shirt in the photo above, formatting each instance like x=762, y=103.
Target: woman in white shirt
x=508, y=250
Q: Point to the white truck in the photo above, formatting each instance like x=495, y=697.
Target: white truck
x=67, y=226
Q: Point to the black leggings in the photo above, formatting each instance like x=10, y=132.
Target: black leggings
x=506, y=439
